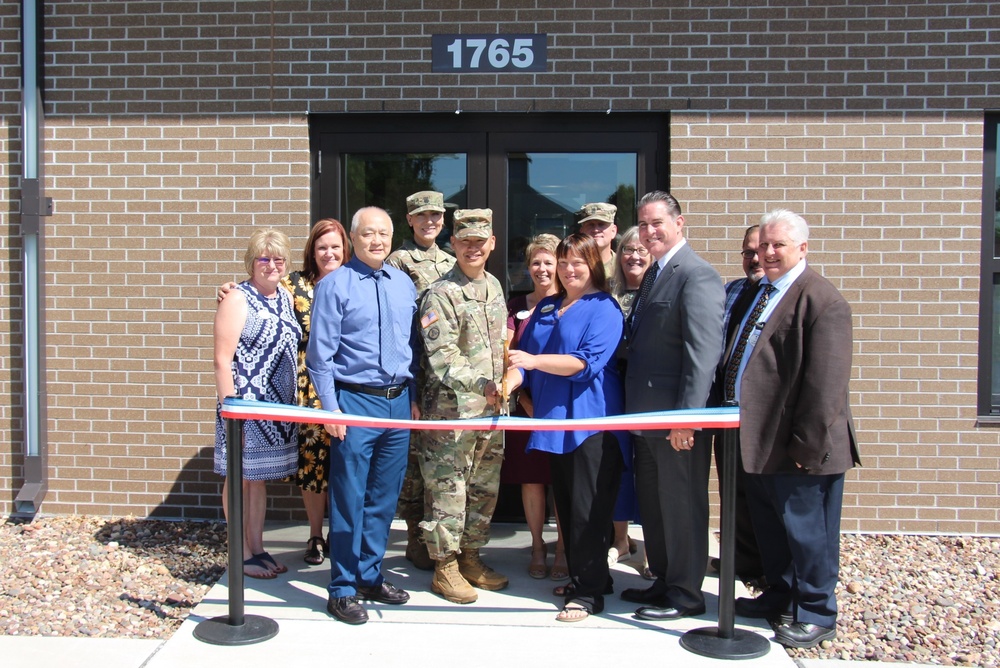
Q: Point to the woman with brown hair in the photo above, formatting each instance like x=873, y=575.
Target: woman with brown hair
x=567, y=359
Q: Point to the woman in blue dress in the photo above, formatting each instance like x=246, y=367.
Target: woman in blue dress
x=567, y=359
x=256, y=341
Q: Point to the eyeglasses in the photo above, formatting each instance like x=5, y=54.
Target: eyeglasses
x=279, y=262
x=641, y=251
x=749, y=254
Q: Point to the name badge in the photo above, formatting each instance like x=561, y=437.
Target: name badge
x=548, y=308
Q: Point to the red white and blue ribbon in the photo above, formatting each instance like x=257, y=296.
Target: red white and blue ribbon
x=701, y=418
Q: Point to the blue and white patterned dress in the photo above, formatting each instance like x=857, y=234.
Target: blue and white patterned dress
x=264, y=370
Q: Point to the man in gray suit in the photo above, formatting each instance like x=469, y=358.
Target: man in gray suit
x=674, y=339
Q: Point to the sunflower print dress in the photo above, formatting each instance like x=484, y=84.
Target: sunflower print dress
x=313, y=472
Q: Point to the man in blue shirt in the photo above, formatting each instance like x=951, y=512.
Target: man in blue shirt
x=360, y=358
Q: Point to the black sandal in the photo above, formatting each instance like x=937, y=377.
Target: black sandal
x=315, y=549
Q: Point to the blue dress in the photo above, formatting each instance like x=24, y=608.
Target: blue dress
x=264, y=370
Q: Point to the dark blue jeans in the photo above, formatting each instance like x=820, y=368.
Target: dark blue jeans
x=366, y=475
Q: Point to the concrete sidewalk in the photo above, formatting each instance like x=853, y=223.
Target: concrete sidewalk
x=509, y=629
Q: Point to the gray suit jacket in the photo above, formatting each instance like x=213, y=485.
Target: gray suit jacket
x=794, y=395
x=674, y=344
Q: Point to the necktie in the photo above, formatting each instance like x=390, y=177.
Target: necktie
x=732, y=369
x=644, y=289
x=388, y=355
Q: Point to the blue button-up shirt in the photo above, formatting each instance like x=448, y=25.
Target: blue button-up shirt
x=780, y=288
x=344, y=332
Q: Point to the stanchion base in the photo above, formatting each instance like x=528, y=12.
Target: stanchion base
x=743, y=645
x=218, y=630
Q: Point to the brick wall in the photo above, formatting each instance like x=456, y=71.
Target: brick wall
x=894, y=205
x=176, y=127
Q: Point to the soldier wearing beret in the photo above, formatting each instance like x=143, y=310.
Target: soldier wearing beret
x=424, y=262
x=463, y=324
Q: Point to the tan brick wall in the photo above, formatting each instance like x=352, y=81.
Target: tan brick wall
x=894, y=203
x=175, y=127
x=153, y=214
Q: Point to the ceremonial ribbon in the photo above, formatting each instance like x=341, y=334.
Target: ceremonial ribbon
x=698, y=418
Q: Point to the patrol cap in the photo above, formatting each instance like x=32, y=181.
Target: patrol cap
x=425, y=200
x=476, y=223
x=598, y=211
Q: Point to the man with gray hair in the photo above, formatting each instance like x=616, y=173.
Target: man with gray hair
x=788, y=364
x=360, y=360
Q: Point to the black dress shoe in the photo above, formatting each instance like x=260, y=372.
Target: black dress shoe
x=657, y=614
x=384, y=593
x=347, y=609
x=652, y=595
x=803, y=635
x=762, y=607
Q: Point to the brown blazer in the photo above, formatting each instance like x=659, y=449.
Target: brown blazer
x=794, y=396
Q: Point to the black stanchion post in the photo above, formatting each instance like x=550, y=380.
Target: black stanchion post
x=726, y=641
x=236, y=628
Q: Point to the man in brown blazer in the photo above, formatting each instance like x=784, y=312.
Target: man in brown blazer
x=788, y=364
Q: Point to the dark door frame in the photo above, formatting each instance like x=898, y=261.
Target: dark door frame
x=486, y=139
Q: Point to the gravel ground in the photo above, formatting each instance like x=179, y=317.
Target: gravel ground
x=122, y=578
x=921, y=599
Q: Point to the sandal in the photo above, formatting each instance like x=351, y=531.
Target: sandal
x=560, y=571
x=572, y=612
x=256, y=562
x=315, y=550
x=536, y=568
x=567, y=589
x=276, y=568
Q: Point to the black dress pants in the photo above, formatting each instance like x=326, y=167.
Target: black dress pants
x=585, y=486
x=672, y=488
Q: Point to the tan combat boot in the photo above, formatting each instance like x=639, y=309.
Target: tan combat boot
x=477, y=573
x=416, y=549
x=448, y=582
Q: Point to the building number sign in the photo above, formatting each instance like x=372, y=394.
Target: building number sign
x=488, y=53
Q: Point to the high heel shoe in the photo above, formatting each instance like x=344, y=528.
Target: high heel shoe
x=536, y=568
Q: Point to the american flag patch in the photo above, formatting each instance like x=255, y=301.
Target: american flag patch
x=429, y=319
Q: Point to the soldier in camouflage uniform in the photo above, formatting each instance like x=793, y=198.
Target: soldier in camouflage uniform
x=597, y=220
x=424, y=262
x=463, y=324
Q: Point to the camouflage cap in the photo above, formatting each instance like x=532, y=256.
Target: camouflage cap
x=425, y=200
x=597, y=211
x=474, y=223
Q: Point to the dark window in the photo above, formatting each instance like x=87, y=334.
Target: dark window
x=989, y=301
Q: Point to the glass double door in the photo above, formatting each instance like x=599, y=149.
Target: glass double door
x=534, y=174
x=533, y=171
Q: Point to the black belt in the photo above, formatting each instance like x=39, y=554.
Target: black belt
x=386, y=391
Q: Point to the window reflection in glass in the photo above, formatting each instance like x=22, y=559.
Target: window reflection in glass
x=545, y=190
x=387, y=179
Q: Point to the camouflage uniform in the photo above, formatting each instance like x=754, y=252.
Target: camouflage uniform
x=463, y=332
x=423, y=266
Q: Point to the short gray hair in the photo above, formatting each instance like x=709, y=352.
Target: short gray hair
x=798, y=229
x=356, y=220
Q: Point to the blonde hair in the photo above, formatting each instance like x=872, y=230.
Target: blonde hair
x=271, y=243
x=541, y=242
x=619, y=284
